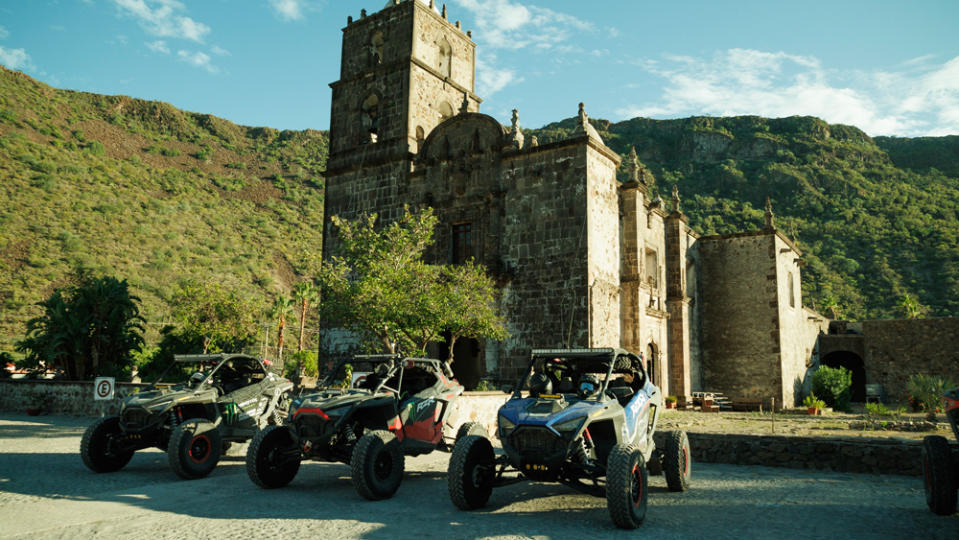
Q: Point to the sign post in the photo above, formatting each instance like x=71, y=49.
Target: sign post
x=104, y=389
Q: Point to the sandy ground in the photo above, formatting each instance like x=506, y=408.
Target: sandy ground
x=46, y=492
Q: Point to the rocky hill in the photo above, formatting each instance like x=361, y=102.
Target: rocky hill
x=875, y=218
x=143, y=191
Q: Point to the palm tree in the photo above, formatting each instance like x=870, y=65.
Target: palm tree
x=281, y=306
x=304, y=292
x=911, y=306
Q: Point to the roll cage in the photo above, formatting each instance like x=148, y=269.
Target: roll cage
x=565, y=366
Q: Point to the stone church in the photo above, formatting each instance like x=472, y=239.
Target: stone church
x=581, y=259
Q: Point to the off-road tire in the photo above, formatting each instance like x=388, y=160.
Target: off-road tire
x=627, y=482
x=262, y=464
x=470, y=472
x=93, y=446
x=940, y=478
x=677, y=461
x=377, y=465
x=195, y=447
x=471, y=428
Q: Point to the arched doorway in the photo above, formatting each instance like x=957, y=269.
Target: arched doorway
x=467, y=365
x=651, y=363
x=853, y=363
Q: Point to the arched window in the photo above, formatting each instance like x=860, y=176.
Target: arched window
x=370, y=118
x=445, y=60
x=446, y=110
x=792, y=291
x=420, y=137
x=376, y=48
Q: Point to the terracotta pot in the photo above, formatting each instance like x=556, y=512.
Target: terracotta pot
x=670, y=404
x=813, y=411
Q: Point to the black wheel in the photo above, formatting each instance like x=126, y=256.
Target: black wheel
x=377, y=465
x=471, y=472
x=626, y=483
x=677, y=461
x=940, y=479
x=195, y=447
x=471, y=428
x=98, y=446
x=272, y=460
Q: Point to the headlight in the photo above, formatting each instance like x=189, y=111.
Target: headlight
x=505, y=426
x=570, y=426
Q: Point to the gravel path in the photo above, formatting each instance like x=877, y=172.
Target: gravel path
x=46, y=492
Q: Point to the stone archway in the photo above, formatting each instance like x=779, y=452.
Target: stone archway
x=651, y=357
x=854, y=363
x=468, y=367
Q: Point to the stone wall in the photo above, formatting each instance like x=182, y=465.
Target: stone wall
x=60, y=397
x=896, y=349
x=798, y=327
x=877, y=456
x=739, y=308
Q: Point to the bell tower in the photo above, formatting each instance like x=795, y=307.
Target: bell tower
x=404, y=69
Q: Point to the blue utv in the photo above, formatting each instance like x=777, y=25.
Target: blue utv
x=587, y=421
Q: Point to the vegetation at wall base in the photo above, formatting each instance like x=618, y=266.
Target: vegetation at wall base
x=834, y=386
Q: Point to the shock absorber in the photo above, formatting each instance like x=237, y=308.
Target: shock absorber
x=580, y=452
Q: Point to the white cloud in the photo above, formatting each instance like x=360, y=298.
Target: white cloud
x=504, y=24
x=162, y=18
x=4, y=34
x=219, y=51
x=921, y=99
x=490, y=79
x=15, y=59
x=159, y=46
x=511, y=26
x=288, y=10
x=198, y=59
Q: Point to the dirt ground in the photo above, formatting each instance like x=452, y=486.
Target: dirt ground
x=46, y=492
x=830, y=424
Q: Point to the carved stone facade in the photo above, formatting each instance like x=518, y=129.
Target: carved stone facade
x=582, y=259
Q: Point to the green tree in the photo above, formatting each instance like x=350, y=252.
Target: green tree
x=379, y=286
x=469, y=307
x=86, y=330
x=220, y=316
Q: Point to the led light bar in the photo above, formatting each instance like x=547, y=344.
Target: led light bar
x=561, y=352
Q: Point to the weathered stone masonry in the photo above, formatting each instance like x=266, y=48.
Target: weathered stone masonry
x=581, y=259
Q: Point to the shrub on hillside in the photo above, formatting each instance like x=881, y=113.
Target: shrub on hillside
x=305, y=359
x=833, y=385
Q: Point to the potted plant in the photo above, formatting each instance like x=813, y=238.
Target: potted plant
x=813, y=404
x=670, y=402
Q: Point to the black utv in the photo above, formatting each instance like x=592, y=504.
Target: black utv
x=587, y=421
x=369, y=412
x=226, y=398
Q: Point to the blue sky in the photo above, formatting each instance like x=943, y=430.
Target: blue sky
x=888, y=67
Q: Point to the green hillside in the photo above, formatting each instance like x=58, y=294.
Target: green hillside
x=143, y=191
x=876, y=219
